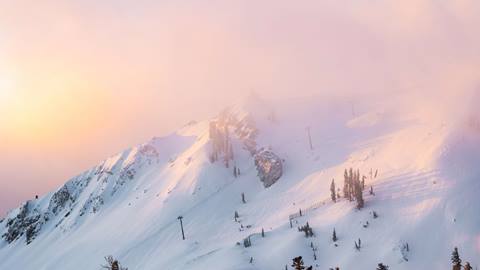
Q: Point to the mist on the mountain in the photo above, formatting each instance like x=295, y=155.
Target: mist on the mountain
x=82, y=80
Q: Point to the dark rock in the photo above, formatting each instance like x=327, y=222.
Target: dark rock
x=22, y=224
x=59, y=200
x=269, y=167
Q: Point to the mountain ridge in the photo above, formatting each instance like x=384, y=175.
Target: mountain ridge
x=127, y=205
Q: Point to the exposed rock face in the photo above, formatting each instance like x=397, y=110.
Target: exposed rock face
x=226, y=127
x=247, y=132
x=229, y=126
x=59, y=200
x=269, y=167
x=149, y=151
x=26, y=222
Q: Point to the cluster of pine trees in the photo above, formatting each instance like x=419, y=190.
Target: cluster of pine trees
x=247, y=242
x=457, y=262
x=307, y=230
x=353, y=187
x=299, y=265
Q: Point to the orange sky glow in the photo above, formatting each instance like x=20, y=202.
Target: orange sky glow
x=82, y=80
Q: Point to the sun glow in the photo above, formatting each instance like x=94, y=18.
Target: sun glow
x=48, y=107
x=6, y=90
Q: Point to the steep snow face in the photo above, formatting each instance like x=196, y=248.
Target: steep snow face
x=88, y=192
x=422, y=170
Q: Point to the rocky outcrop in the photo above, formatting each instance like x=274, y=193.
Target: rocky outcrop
x=227, y=126
x=247, y=131
x=65, y=207
x=59, y=200
x=149, y=151
x=220, y=137
x=26, y=222
x=269, y=167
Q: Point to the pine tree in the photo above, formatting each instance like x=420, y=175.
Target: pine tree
x=345, y=184
x=358, y=194
x=227, y=147
x=298, y=263
x=230, y=151
x=456, y=261
x=332, y=190
x=309, y=231
x=227, y=154
x=334, y=236
x=467, y=266
x=351, y=177
x=381, y=266
x=246, y=242
x=113, y=264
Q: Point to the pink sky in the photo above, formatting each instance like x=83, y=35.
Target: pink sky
x=82, y=80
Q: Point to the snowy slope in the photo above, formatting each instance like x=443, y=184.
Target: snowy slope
x=426, y=195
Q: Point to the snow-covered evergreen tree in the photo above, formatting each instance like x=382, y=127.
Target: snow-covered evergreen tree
x=456, y=261
x=113, y=264
x=332, y=191
x=298, y=263
x=381, y=266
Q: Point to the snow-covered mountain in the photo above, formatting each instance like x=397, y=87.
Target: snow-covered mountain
x=422, y=164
